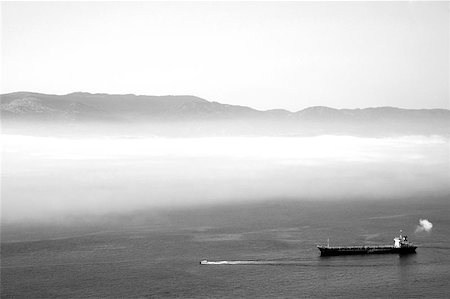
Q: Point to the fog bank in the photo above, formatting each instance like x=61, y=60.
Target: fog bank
x=45, y=178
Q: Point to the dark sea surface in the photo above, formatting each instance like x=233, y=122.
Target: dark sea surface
x=154, y=255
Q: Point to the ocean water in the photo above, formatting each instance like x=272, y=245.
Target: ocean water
x=272, y=246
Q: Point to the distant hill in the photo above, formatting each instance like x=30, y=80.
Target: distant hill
x=81, y=106
x=200, y=116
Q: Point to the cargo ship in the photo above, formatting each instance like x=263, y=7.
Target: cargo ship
x=401, y=246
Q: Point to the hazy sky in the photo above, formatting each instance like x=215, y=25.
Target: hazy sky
x=261, y=54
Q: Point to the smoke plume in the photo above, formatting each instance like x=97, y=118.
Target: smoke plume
x=424, y=226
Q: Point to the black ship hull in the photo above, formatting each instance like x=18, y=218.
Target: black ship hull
x=361, y=250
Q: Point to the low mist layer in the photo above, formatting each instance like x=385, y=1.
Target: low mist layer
x=46, y=178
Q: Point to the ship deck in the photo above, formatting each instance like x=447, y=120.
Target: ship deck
x=357, y=247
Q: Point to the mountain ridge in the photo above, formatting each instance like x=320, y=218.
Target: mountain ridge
x=88, y=108
x=184, y=98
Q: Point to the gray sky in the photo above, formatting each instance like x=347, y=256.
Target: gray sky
x=261, y=54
